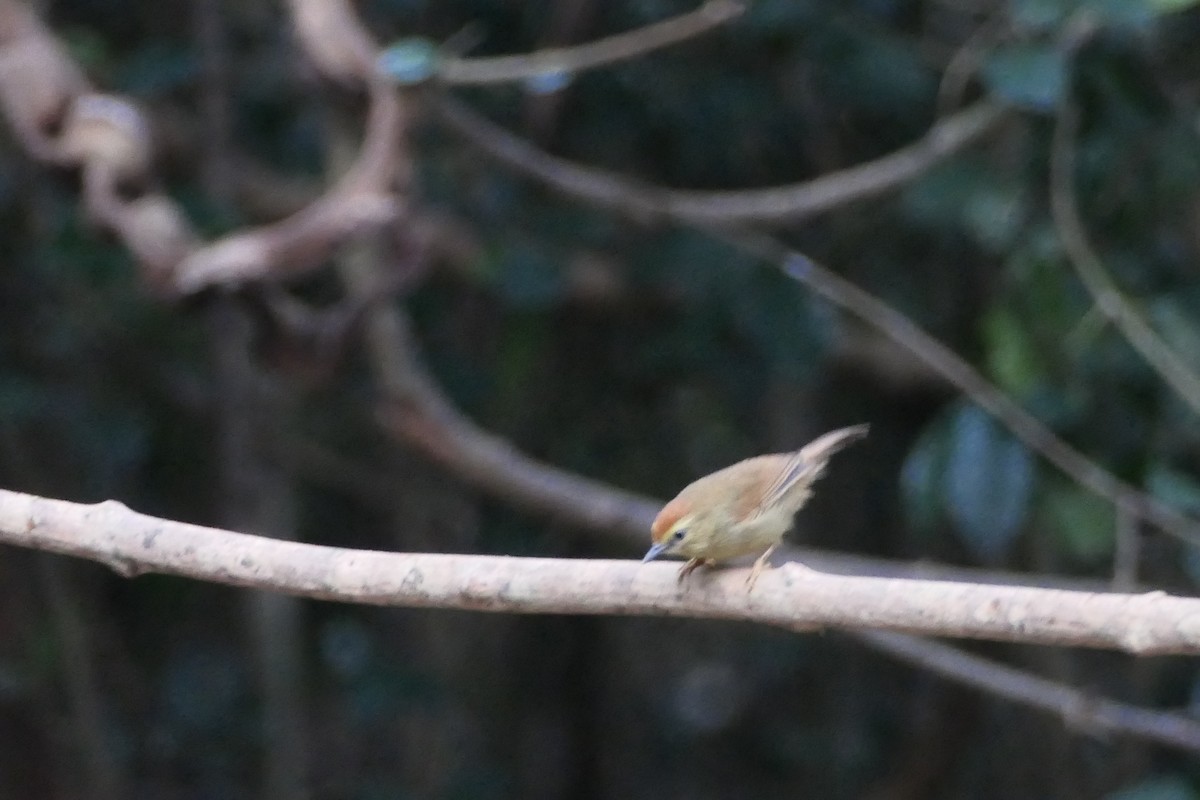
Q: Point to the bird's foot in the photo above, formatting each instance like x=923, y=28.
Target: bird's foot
x=693, y=564
x=759, y=565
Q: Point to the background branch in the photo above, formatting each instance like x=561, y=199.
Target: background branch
x=562, y=176
x=691, y=363
x=791, y=203
x=1022, y=424
x=417, y=411
x=578, y=58
x=1079, y=709
x=1087, y=264
x=61, y=120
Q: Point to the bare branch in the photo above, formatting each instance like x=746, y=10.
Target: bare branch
x=422, y=416
x=108, y=139
x=1104, y=291
x=792, y=596
x=334, y=38
x=779, y=204
x=437, y=429
x=1023, y=425
x=168, y=239
x=362, y=198
x=1078, y=709
x=969, y=56
x=571, y=60
x=627, y=198
x=1127, y=549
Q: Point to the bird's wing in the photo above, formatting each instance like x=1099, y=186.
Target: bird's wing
x=801, y=468
x=796, y=469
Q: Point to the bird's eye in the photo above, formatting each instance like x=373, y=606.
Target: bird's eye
x=679, y=534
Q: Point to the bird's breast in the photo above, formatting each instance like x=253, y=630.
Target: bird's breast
x=748, y=538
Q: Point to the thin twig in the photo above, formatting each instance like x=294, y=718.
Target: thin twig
x=603, y=52
x=789, y=203
x=1078, y=709
x=61, y=120
x=562, y=175
x=1127, y=551
x=967, y=59
x=1022, y=424
x=1088, y=266
x=419, y=413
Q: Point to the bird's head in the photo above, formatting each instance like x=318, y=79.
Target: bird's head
x=670, y=531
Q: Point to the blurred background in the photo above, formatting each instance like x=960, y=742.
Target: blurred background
x=636, y=352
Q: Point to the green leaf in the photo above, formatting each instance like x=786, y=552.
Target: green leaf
x=1174, y=488
x=988, y=483
x=1012, y=357
x=994, y=214
x=1032, y=76
x=1048, y=16
x=938, y=197
x=156, y=69
x=1171, y=787
x=528, y=279
x=921, y=478
x=21, y=399
x=968, y=194
x=1170, y=6
x=1180, y=491
x=1040, y=15
x=1082, y=524
x=1135, y=14
x=785, y=323
x=781, y=17
x=1175, y=316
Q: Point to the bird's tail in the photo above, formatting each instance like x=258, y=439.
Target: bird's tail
x=821, y=448
x=807, y=464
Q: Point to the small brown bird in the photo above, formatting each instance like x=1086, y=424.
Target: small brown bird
x=745, y=508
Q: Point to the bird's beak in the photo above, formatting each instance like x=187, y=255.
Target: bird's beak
x=654, y=552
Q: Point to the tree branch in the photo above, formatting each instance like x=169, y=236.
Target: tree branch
x=955, y=369
x=1078, y=709
x=48, y=106
x=790, y=203
x=628, y=197
x=61, y=120
x=570, y=60
x=1108, y=298
x=418, y=412
x=791, y=596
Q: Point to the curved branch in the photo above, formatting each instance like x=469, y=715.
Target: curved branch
x=789, y=203
x=1088, y=266
x=428, y=421
x=1078, y=709
x=570, y=60
x=792, y=596
x=1022, y=424
x=560, y=175
x=61, y=120
x=419, y=412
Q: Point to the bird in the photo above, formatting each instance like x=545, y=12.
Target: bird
x=745, y=508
